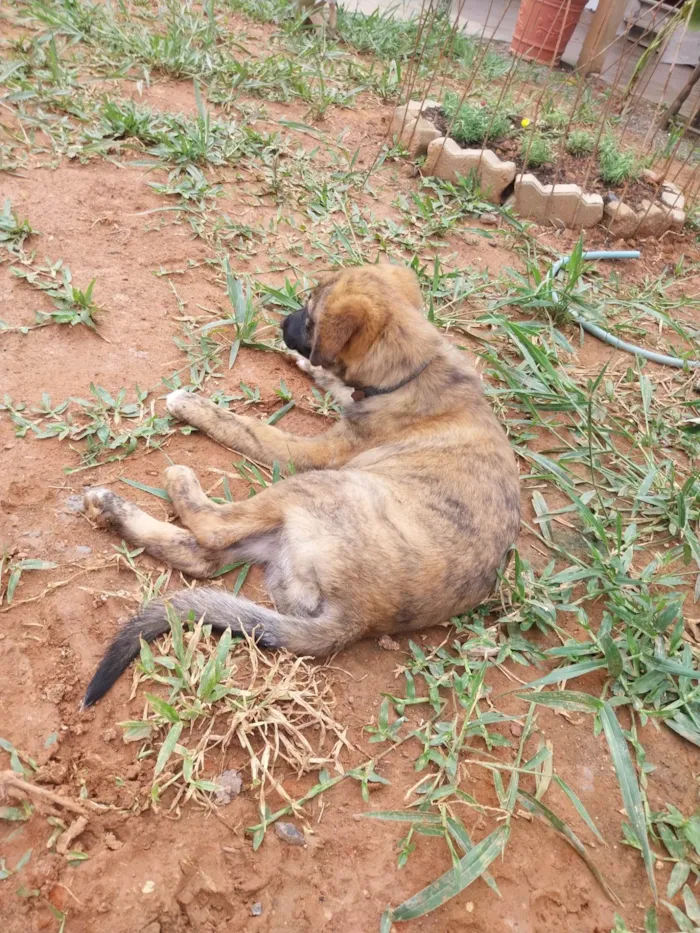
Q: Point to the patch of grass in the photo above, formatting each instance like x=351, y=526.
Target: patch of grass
x=580, y=143
x=474, y=123
x=536, y=150
x=617, y=166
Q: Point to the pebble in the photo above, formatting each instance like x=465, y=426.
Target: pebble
x=650, y=175
x=490, y=218
x=82, y=550
x=388, y=644
x=256, y=910
x=290, y=834
x=516, y=729
x=230, y=783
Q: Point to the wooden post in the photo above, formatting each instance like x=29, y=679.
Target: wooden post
x=601, y=34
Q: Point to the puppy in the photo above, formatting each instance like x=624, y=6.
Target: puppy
x=397, y=518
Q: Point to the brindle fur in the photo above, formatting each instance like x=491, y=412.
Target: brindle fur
x=397, y=518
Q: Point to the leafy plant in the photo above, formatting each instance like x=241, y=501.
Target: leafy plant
x=580, y=143
x=616, y=166
x=536, y=150
x=474, y=123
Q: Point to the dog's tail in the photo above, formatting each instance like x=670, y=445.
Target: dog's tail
x=222, y=611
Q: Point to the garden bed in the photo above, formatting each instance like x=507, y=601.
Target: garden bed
x=570, y=176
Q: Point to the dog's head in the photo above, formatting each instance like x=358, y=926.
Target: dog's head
x=362, y=324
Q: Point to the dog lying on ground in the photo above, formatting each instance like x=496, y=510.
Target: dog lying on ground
x=395, y=519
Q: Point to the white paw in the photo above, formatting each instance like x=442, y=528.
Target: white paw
x=176, y=401
x=95, y=502
x=304, y=364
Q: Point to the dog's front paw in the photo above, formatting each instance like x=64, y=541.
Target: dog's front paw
x=186, y=406
x=304, y=365
x=99, y=505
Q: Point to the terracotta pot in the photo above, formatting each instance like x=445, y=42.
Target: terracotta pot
x=544, y=28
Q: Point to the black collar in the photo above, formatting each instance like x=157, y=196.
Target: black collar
x=362, y=392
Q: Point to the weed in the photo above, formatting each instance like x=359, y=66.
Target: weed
x=536, y=150
x=13, y=231
x=580, y=143
x=616, y=166
x=475, y=123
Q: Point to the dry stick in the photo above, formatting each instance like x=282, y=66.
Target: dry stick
x=639, y=93
x=593, y=158
x=11, y=780
x=538, y=104
x=664, y=171
x=403, y=94
x=444, y=51
x=471, y=80
x=414, y=61
x=482, y=44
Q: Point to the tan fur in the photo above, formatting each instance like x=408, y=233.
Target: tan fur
x=398, y=517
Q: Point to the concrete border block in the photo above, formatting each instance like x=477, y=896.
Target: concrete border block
x=413, y=130
x=651, y=220
x=558, y=205
x=446, y=159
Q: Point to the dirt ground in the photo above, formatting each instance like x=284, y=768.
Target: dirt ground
x=161, y=872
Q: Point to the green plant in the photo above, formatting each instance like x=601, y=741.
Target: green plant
x=580, y=143
x=616, y=166
x=13, y=231
x=536, y=150
x=474, y=123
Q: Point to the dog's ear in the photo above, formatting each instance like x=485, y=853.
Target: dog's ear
x=337, y=325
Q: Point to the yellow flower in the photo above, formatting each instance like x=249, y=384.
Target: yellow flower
x=525, y=122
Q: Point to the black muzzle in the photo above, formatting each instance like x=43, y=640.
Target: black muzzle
x=296, y=332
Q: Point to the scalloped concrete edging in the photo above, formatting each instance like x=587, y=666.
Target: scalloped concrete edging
x=561, y=205
x=446, y=159
x=413, y=130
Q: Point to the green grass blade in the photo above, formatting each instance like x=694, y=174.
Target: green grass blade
x=280, y=413
x=471, y=867
x=567, y=673
x=167, y=748
x=580, y=809
x=536, y=806
x=565, y=699
x=629, y=787
x=152, y=490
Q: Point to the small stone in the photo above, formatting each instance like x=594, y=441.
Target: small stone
x=672, y=198
x=290, y=834
x=32, y=534
x=149, y=887
x=651, y=176
x=230, y=784
x=256, y=910
x=490, y=218
x=113, y=843
x=653, y=220
x=82, y=550
x=388, y=644
x=516, y=729
x=132, y=772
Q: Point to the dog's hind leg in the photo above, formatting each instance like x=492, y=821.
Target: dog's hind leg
x=174, y=546
x=220, y=526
